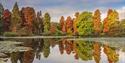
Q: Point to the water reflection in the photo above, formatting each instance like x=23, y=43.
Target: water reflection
x=80, y=49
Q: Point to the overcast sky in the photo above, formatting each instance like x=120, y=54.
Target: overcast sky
x=65, y=8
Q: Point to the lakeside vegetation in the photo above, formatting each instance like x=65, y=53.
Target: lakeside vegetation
x=26, y=22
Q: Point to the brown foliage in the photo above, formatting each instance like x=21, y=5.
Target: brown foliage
x=28, y=16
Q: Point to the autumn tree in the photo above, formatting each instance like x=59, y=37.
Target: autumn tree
x=97, y=22
x=105, y=25
x=122, y=27
x=1, y=21
x=53, y=28
x=6, y=20
x=110, y=20
x=74, y=23
x=113, y=16
x=15, y=18
x=106, y=22
x=115, y=29
x=69, y=25
x=85, y=24
x=38, y=23
x=113, y=23
x=63, y=24
x=28, y=16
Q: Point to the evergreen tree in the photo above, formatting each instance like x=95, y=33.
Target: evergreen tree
x=38, y=23
x=46, y=22
x=1, y=20
x=15, y=18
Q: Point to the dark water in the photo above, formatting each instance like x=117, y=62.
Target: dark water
x=61, y=51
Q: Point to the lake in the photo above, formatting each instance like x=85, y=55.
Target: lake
x=62, y=50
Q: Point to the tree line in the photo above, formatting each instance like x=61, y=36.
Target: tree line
x=90, y=24
x=23, y=22
x=27, y=22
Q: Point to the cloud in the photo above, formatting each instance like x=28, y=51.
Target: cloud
x=121, y=12
x=57, y=12
x=108, y=1
x=65, y=8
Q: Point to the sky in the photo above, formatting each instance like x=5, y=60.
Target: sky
x=57, y=8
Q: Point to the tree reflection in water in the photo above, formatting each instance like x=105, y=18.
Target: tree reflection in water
x=111, y=54
x=46, y=48
x=85, y=50
x=97, y=52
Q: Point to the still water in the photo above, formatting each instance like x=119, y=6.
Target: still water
x=63, y=50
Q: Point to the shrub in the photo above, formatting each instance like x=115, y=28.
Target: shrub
x=10, y=34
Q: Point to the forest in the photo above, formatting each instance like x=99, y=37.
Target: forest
x=28, y=22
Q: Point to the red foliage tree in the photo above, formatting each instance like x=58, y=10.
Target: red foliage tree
x=6, y=19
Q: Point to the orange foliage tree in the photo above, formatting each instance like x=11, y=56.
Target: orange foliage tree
x=111, y=19
x=105, y=25
x=97, y=22
x=69, y=25
x=62, y=24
